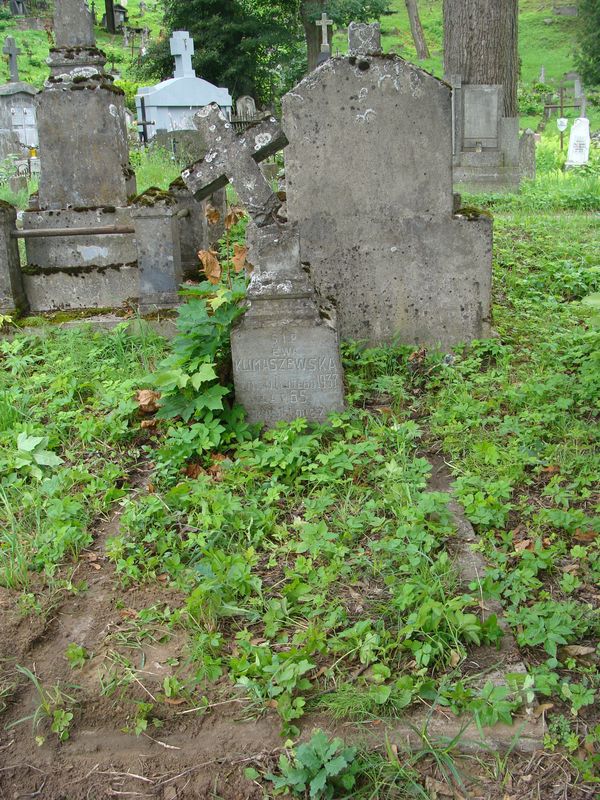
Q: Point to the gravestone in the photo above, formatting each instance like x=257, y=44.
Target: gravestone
x=12, y=293
x=487, y=152
x=75, y=52
x=245, y=107
x=172, y=104
x=364, y=38
x=369, y=184
x=18, y=124
x=285, y=350
x=86, y=179
x=579, y=143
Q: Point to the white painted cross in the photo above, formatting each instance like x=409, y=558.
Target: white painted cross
x=12, y=51
x=324, y=24
x=182, y=48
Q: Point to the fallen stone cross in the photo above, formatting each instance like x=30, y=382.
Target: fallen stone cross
x=235, y=158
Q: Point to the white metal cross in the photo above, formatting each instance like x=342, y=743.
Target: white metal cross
x=324, y=24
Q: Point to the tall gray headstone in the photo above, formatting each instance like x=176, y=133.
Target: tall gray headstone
x=73, y=24
x=286, y=361
x=369, y=183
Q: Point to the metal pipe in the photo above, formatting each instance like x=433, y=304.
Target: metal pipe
x=110, y=230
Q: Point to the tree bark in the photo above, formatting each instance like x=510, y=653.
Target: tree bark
x=417, y=29
x=110, y=16
x=311, y=31
x=481, y=45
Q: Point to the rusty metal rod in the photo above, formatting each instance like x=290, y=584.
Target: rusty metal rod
x=109, y=230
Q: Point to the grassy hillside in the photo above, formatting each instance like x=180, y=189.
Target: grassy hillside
x=545, y=44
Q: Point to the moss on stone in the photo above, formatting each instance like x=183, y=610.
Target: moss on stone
x=472, y=212
x=153, y=196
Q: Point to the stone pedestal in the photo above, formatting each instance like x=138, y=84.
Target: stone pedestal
x=85, y=156
x=12, y=295
x=158, y=250
x=286, y=361
x=95, y=271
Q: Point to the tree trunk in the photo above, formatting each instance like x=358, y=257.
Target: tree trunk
x=311, y=31
x=110, y=16
x=417, y=29
x=481, y=45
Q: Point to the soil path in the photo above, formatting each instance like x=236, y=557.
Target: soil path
x=192, y=756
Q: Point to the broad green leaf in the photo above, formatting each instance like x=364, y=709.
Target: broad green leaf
x=28, y=443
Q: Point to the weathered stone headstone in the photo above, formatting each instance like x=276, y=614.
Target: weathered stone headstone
x=286, y=361
x=73, y=24
x=86, y=179
x=579, y=143
x=18, y=125
x=75, y=50
x=245, y=107
x=12, y=51
x=369, y=183
x=364, y=38
x=542, y=78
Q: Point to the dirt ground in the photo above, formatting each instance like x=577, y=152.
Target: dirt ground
x=199, y=754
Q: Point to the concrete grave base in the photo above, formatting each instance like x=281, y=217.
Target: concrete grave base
x=58, y=252
x=80, y=271
x=103, y=287
x=428, y=282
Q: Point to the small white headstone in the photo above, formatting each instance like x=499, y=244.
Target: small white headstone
x=579, y=143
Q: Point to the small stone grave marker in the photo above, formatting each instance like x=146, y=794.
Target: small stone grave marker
x=579, y=143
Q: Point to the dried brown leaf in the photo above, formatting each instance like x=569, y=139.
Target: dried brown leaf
x=585, y=536
x=210, y=265
x=542, y=708
x=240, y=252
x=147, y=401
x=236, y=213
x=148, y=423
x=526, y=544
x=577, y=650
x=212, y=214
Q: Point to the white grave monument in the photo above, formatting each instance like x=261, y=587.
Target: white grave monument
x=579, y=143
x=172, y=104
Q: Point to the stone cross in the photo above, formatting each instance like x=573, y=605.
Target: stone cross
x=12, y=51
x=324, y=24
x=235, y=158
x=182, y=48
